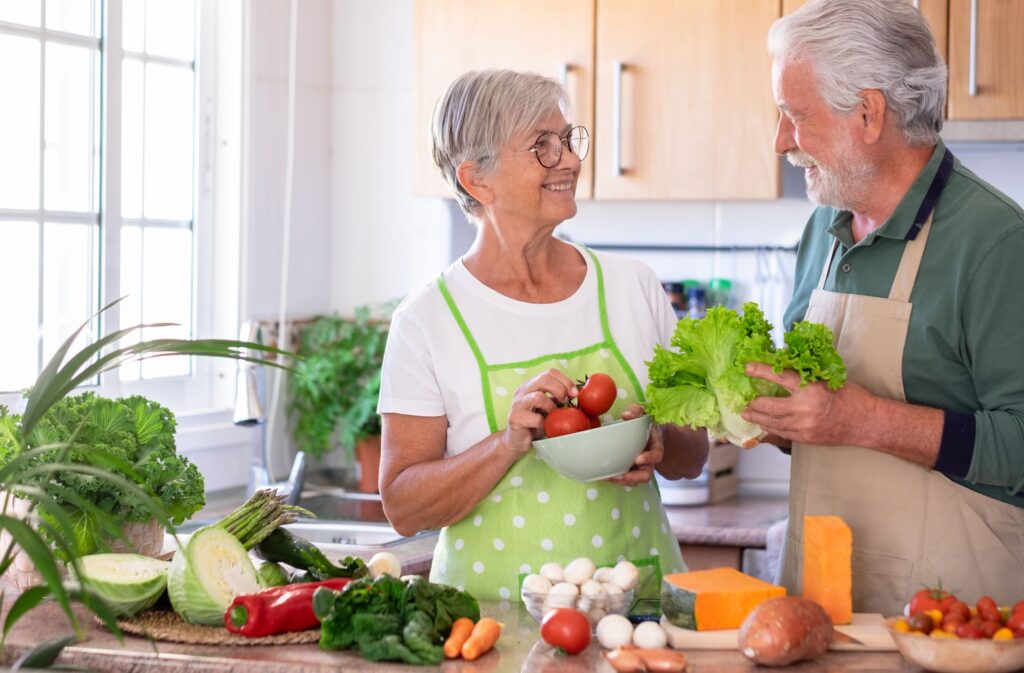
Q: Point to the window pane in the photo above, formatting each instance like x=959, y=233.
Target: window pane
x=70, y=279
x=68, y=154
x=133, y=25
x=167, y=287
x=71, y=16
x=168, y=161
x=19, y=122
x=19, y=338
x=131, y=290
x=25, y=12
x=170, y=28
x=132, y=89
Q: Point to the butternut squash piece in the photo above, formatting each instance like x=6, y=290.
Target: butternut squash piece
x=828, y=578
x=721, y=598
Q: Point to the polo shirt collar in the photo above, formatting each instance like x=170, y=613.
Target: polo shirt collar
x=903, y=223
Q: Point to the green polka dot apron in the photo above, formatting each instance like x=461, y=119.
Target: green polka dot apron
x=534, y=515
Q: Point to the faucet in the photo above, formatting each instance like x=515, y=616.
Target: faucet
x=249, y=412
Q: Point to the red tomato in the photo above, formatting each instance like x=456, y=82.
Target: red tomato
x=1016, y=623
x=989, y=627
x=595, y=421
x=952, y=621
x=1018, y=607
x=970, y=630
x=565, y=421
x=988, y=610
x=567, y=628
x=959, y=608
x=597, y=395
x=930, y=599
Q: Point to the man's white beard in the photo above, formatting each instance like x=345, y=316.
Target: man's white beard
x=843, y=186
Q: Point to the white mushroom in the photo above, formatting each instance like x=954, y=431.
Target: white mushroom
x=625, y=575
x=614, y=631
x=579, y=570
x=616, y=599
x=536, y=584
x=583, y=604
x=552, y=572
x=595, y=615
x=595, y=592
x=603, y=574
x=562, y=595
x=649, y=636
x=384, y=563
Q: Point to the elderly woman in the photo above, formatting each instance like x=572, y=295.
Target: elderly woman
x=475, y=360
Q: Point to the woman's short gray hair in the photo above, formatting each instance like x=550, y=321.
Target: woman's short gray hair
x=478, y=115
x=855, y=45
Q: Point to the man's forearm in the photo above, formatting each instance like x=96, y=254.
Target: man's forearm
x=907, y=431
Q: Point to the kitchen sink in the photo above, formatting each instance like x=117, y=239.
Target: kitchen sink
x=350, y=533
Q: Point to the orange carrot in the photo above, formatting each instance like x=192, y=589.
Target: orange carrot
x=460, y=632
x=485, y=634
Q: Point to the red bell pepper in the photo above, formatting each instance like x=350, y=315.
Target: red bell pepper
x=277, y=609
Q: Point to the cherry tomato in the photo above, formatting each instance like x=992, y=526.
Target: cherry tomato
x=567, y=628
x=959, y=608
x=565, y=421
x=1018, y=607
x=595, y=421
x=1016, y=623
x=988, y=610
x=920, y=622
x=597, y=395
x=930, y=599
x=989, y=627
x=970, y=630
x=952, y=621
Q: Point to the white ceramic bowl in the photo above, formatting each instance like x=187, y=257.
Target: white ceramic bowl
x=598, y=453
x=539, y=605
x=959, y=655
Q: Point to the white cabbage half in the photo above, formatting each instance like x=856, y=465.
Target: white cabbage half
x=128, y=583
x=204, y=579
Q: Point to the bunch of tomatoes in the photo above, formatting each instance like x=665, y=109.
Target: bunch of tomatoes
x=596, y=396
x=940, y=614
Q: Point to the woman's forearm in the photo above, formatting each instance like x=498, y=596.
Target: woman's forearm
x=435, y=493
x=686, y=451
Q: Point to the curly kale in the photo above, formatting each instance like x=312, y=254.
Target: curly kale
x=132, y=437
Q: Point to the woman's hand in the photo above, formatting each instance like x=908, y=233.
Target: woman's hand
x=531, y=403
x=643, y=468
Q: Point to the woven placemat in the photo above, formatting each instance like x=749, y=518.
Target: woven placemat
x=167, y=626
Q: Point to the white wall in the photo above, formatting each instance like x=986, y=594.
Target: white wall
x=360, y=237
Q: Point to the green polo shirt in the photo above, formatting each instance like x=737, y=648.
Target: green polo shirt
x=965, y=345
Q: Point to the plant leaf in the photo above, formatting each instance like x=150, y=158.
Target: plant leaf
x=28, y=599
x=43, y=654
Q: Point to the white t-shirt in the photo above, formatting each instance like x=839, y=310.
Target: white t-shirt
x=429, y=368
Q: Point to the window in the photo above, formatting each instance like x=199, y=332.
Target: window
x=114, y=138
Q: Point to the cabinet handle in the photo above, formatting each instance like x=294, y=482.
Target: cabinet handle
x=563, y=74
x=972, y=72
x=617, y=69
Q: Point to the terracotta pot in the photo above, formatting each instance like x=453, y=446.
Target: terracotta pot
x=145, y=538
x=368, y=453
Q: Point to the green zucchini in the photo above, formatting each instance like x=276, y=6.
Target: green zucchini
x=283, y=546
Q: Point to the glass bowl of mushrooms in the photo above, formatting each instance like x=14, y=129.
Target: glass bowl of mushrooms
x=580, y=584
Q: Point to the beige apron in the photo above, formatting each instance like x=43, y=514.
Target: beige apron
x=912, y=527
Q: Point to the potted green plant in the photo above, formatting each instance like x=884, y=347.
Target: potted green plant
x=50, y=530
x=334, y=386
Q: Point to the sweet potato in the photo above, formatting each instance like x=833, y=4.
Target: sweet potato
x=783, y=630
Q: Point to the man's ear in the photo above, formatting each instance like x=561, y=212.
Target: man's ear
x=474, y=182
x=872, y=113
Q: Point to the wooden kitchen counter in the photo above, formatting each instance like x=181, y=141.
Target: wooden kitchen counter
x=519, y=649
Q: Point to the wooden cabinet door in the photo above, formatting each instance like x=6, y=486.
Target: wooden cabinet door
x=934, y=11
x=684, y=100
x=455, y=36
x=998, y=65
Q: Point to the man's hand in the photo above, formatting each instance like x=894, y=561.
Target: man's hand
x=812, y=414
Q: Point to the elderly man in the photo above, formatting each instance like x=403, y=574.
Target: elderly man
x=914, y=262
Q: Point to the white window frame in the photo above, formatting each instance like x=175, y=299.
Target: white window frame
x=206, y=393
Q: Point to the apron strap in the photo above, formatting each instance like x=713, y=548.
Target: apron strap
x=828, y=263
x=606, y=330
x=906, y=274
x=473, y=346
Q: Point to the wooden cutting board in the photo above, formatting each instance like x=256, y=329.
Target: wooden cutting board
x=867, y=628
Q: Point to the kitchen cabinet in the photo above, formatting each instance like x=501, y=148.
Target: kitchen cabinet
x=684, y=100
x=934, y=11
x=989, y=85
x=677, y=95
x=456, y=36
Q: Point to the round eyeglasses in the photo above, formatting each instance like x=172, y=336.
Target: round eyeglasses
x=548, y=148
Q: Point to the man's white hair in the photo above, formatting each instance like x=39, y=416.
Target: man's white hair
x=854, y=45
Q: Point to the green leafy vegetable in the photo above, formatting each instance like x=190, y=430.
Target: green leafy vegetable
x=388, y=619
x=132, y=437
x=703, y=382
